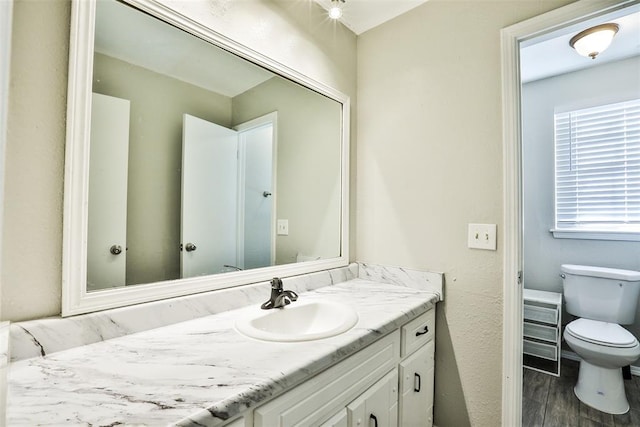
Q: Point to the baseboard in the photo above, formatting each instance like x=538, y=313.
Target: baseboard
x=635, y=370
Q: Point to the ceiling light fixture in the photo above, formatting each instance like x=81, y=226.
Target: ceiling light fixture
x=335, y=11
x=594, y=40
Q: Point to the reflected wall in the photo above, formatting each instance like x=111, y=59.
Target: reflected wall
x=158, y=103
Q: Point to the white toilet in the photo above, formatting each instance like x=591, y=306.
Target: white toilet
x=604, y=299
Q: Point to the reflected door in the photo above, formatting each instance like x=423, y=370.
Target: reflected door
x=209, y=197
x=257, y=187
x=108, y=171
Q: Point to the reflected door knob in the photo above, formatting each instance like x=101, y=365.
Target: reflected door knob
x=115, y=249
x=190, y=247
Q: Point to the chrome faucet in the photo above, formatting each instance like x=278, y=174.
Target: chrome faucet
x=279, y=297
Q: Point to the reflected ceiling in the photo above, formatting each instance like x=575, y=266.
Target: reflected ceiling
x=165, y=49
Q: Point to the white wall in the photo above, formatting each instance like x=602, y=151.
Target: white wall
x=6, y=12
x=6, y=9
x=543, y=254
x=32, y=224
x=429, y=163
x=4, y=363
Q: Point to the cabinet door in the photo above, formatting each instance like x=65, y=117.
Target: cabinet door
x=416, y=388
x=376, y=407
x=324, y=395
x=338, y=420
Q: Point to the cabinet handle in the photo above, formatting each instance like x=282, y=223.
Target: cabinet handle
x=375, y=420
x=416, y=382
x=423, y=331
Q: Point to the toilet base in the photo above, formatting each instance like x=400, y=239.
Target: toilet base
x=601, y=388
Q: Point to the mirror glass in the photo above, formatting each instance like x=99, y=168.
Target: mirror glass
x=202, y=162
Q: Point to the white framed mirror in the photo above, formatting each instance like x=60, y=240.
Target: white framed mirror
x=193, y=163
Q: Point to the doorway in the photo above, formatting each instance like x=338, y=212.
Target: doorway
x=257, y=145
x=513, y=39
x=228, y=196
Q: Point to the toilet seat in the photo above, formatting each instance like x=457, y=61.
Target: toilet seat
x=601, y=333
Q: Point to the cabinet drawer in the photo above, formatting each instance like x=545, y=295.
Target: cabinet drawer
x=541, y=332
x=541, y=314
x=418, y=332
x=539, y=349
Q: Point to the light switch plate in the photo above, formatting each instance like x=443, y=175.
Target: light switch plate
x=283, y=227
x=482, y=236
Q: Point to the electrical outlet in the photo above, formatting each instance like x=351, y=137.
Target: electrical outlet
x=482, y=236
x=283, y=227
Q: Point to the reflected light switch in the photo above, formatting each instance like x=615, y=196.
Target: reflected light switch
x=283, y=227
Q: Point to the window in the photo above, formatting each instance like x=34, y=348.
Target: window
x=598, y=172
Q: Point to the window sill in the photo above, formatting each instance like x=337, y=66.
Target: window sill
x=630, y=236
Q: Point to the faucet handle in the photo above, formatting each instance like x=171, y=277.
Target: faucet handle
x=292, y=295
x=276, y=283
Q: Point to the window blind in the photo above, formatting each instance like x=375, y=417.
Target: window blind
x=598, y=167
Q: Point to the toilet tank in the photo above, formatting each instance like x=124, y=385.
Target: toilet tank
x=598, y=293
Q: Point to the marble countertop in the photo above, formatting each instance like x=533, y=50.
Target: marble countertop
x=198, y=372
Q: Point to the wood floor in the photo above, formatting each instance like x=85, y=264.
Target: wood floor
x=549, y=401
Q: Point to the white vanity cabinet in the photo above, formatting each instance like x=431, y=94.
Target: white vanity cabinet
x=240, y=422
x=387, y=384
x=341, y=419
x=416, y=388
x=416, y=371
x=326, y=395
x=378, y=406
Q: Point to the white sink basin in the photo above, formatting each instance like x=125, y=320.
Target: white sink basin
x=299, y=321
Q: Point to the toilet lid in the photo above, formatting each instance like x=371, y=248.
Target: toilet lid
x=602, y=333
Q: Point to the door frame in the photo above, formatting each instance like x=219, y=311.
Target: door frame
x=272, y=119
x=511, y=37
